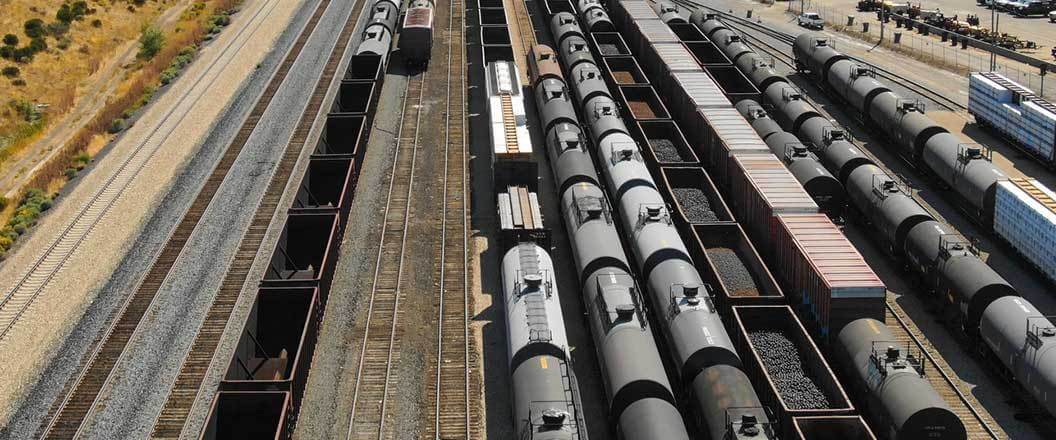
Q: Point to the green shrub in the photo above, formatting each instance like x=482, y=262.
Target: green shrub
x=5, y=243
x=19, y=82
x=151, y=41
x=38, y=45
x=34, y=28
x=70, y=173
x=58, y=29
x=10, y=71
x=7, y=52
x=117, y=126
x=65, y=14
x=97, y=23
x=11, y=40
x=64, y=43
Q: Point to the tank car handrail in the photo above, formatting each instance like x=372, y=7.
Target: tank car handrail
x=746, y=419
x=969, y=151
x=1033, y=331
x=691, y=293
x=942, y=373
x=881, y=359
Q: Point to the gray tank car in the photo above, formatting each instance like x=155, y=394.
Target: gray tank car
x=674, y=285
x=641, y=402
x=669, y=12
x=377, y=40
x=967, y=170
x=955, y=271
x=988, y=306
x=886, y=205
x=545, y=398
x=891, y=378
x=564, y=25
x=1024, y=341
x=555, y=106
x=595, y=17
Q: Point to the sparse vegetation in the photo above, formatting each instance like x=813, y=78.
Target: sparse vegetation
x=150, y=42
x=165, y=57
x=32, y=204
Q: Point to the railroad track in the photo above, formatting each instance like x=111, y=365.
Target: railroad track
x=25, y=290
x=450, y=409
x=977, y=425
x=67, y=414
x=741, y=25
x=382, y=331
x=187, y=385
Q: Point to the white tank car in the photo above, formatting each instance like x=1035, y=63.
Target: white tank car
x=544, y=390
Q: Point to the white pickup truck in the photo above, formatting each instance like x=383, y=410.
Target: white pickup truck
x=810, y=20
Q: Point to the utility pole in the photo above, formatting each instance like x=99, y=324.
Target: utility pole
x=993, y=28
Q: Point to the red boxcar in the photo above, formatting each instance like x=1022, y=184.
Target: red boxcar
x=761, y=188
x=824, y=274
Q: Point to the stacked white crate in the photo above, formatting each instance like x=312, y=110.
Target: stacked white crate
x=1028, y=222
x=1017, y=117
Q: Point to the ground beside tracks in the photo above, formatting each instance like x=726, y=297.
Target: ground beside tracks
x=95, y=281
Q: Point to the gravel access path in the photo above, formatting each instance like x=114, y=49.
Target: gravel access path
x=60, y=307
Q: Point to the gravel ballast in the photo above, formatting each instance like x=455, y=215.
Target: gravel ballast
x=734, y=273
x=666, y=151
x=695, y=205
x=783, y=362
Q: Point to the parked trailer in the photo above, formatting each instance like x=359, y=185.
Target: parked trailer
x=249, y=415
x=786, y=366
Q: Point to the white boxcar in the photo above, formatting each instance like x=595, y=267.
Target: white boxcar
x=511, y=145
x=1025, y=217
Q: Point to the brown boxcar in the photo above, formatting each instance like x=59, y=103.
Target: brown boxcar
x=724, y=133
x=824, y=274
x=760, y=188
x=249, y=414
x=277, y=343
x=730, y=264
x=832, y=428
x=768, y=339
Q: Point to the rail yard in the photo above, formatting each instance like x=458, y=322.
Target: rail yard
x=547, y=219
